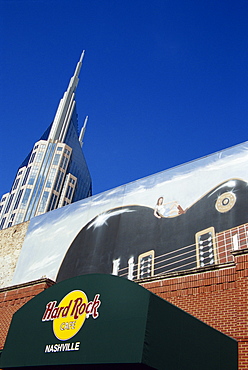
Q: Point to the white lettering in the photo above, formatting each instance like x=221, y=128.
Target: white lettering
x=68, y=325
x=62, y=347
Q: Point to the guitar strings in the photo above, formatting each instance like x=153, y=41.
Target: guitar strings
x=224, y=244
x=135, y=266
x=166, y=254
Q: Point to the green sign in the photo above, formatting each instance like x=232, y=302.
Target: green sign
x=103, y=319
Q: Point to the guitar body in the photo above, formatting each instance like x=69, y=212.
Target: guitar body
x=127, y=239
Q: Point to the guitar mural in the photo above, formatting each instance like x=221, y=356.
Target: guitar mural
x=187, y=217
x=137, y=241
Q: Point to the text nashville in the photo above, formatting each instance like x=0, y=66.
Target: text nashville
x=61, y=347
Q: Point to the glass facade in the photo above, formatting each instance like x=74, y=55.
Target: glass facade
x=55, y=172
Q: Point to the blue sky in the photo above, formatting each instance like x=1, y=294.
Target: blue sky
x=163, y=82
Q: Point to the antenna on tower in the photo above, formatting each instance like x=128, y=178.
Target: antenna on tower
x=82, y=132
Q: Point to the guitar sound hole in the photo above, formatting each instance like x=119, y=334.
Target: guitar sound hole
x=225, y=202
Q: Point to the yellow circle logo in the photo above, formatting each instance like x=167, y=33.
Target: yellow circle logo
x=71, y=314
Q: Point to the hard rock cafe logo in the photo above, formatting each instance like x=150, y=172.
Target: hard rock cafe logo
x=69, y=315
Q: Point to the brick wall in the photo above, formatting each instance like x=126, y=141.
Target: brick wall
x=216, y=295
x=13, y=298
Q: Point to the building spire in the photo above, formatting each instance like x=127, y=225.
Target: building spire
x=66, y=107
x=82, y=132
x=74, y=80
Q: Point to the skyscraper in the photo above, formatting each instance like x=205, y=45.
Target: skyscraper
x=55, y=172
